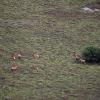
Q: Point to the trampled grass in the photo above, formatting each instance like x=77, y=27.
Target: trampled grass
x=54, y=29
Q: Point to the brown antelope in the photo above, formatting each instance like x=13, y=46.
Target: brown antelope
x=14, y=67
x=82, y=61
x=78, y=58
x=34, y=67
x=16, y=55
x=36, y=55
x=13, y=56
x=19, y=55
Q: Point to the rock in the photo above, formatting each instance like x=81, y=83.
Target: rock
x=88, y=10
x=96, y=10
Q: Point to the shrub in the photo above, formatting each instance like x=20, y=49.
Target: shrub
x=91, y=54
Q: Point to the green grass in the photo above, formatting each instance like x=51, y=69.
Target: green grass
x=53, y=28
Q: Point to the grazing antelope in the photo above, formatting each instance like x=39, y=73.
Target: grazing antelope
x=13, y=57
x=82, y=61
x=19, y=55
x=78, y=58
x=14, y=67
x=36, y=55
x=34, y=67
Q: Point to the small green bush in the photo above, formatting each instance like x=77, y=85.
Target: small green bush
x=91, y=54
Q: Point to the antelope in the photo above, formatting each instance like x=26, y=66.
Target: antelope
x=19, y=56
x=82, y=61
x=36, y=55
x=78, y=58
x=34, y=67
x=13, y=56
x=14, y=67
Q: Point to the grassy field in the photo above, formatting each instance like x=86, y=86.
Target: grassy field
x=54, y=29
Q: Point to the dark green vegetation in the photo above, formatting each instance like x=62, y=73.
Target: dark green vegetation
x=92, y=54
x=53, y=28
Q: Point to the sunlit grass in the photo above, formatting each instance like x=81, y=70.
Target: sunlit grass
x=54, y=29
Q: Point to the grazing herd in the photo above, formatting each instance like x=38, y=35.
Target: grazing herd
x=18, y=56
x=78, y=58
x=15, y=56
